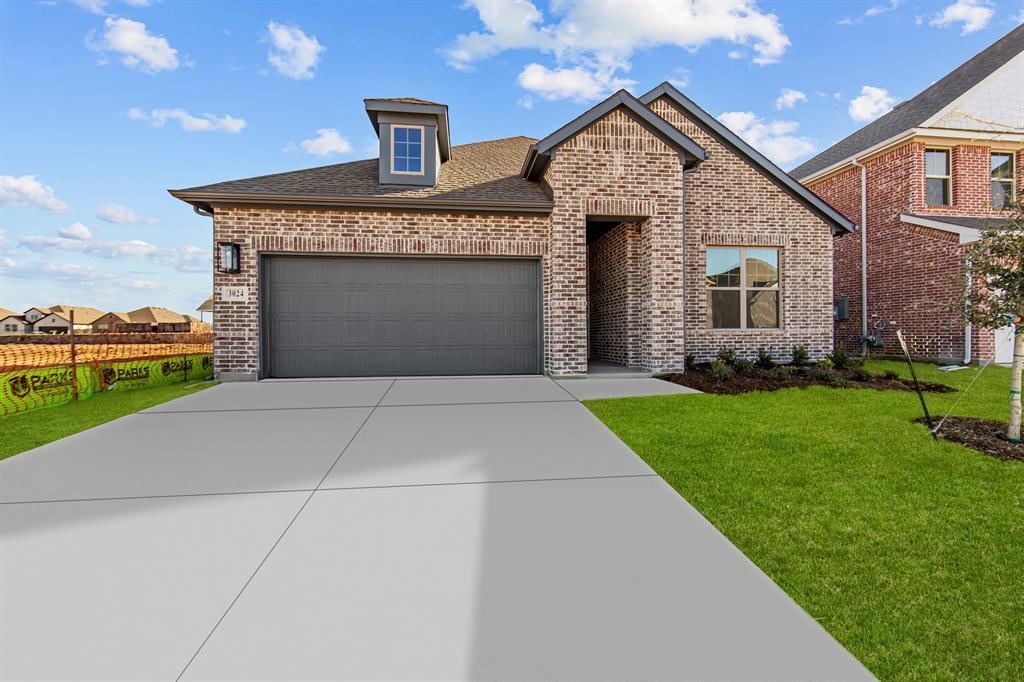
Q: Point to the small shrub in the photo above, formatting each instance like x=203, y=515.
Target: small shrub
x=720, y=371
x=765, y=359
x=727, y=355
x=779, y=373
x=787, y=370
x=690, y=360
x=891, y=375
x=826, y=363
x=840, y=358
x=800, y=356
x=862, y=374
x=742, y=365
x=822, y=372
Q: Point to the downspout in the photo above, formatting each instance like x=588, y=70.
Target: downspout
x=863, y=255
x=968, y=330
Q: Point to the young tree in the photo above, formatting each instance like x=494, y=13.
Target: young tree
x=994, y=295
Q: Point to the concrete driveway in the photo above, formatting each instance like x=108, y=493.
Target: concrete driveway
x=426, y=529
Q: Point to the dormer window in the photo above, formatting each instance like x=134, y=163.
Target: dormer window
x=406, y=150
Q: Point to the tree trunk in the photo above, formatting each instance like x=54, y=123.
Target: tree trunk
x=1013, y=429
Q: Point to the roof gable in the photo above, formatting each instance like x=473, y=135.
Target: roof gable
x=754, y=158
x=922, y=107
x=540, y=153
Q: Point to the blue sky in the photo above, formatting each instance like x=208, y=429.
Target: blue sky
x=105, y=105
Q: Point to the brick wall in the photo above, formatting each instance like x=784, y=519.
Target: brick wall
x=914, y=273
x=729, y=203
x=237, y=333
x=615, y=167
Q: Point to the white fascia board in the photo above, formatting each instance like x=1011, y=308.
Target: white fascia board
x=968, y=235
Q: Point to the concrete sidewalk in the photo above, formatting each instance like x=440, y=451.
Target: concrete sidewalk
x=442, y=529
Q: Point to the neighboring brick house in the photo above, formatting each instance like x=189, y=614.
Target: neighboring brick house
x=638, y=233
x=148, y=319
x=934, y=172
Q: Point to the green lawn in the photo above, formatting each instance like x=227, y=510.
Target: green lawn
x=909, y=551
x=28, y=430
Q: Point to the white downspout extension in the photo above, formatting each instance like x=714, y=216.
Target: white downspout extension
x=863, y=254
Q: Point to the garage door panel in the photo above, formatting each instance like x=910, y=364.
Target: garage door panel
x=368, y=316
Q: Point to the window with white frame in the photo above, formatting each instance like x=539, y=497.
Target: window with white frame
x=743, y=287
x=937, y=177
x=406, y=150
x=1002, y=179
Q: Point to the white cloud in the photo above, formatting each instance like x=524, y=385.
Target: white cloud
x=592, y=42
x=100, y=6
x=736, y=54
x=294, y=54
x=774, y=139
x=680, y=77
x=870, y=104
x=77, y=238
x=138, y=48
x=122, y=215
x=83, y=276
x=327, y=141
x=576, y=83
x=5, y=243
x=189, y=123
x=789, y=98
x=28, y=191
x=94, y=6
x=75, y=231
x=875, y=10
x=526, y=102
x=974, y=15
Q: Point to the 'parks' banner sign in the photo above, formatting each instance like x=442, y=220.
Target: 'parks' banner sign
x=28, y=389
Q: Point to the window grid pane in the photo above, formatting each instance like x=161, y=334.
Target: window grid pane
x=407, y=150
x=743, y=288
x=937, y=192
x=1002, y=166
x=936, y=163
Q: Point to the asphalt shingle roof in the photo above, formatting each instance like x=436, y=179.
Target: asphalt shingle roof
x=479, y=171
x=916, y=111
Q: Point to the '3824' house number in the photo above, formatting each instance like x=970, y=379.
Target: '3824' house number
x=234, y=294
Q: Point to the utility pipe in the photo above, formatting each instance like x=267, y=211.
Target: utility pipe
x=863, y=255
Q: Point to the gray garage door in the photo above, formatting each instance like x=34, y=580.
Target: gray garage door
x=367, y=316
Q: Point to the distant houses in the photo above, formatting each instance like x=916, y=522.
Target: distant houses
x=57, y=320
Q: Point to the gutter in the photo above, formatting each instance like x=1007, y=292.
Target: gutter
x=863, y=254
x=204, y=201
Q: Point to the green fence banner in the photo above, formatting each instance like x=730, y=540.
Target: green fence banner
x=29, y=389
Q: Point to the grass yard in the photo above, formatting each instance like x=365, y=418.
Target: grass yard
x=909, y=551
x=31, y=429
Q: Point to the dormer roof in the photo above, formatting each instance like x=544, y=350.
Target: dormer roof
x=411, y=105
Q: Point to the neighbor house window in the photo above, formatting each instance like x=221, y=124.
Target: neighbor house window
x=407, y=150
x=1002, y=179
x=743, y=288
x=937, y=177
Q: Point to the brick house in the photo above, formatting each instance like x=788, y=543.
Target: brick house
x=932, y=173
x=636, y=234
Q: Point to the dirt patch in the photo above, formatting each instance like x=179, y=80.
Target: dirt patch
x=701, y=378
x=983, y=435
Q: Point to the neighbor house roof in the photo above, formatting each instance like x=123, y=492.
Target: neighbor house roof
x=154, y=315
x=44, y=311
x=8, y=315
x=540, y=153
x=713, y=127
x=4, y=313
x=207, y=305
x=916, y=111
x=121, y=316
x=83, y=314
x=481, y=174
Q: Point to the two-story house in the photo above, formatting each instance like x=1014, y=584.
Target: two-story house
x=922, y=181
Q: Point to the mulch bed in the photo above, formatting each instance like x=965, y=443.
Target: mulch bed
x=983, y=435
x=755, y=379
